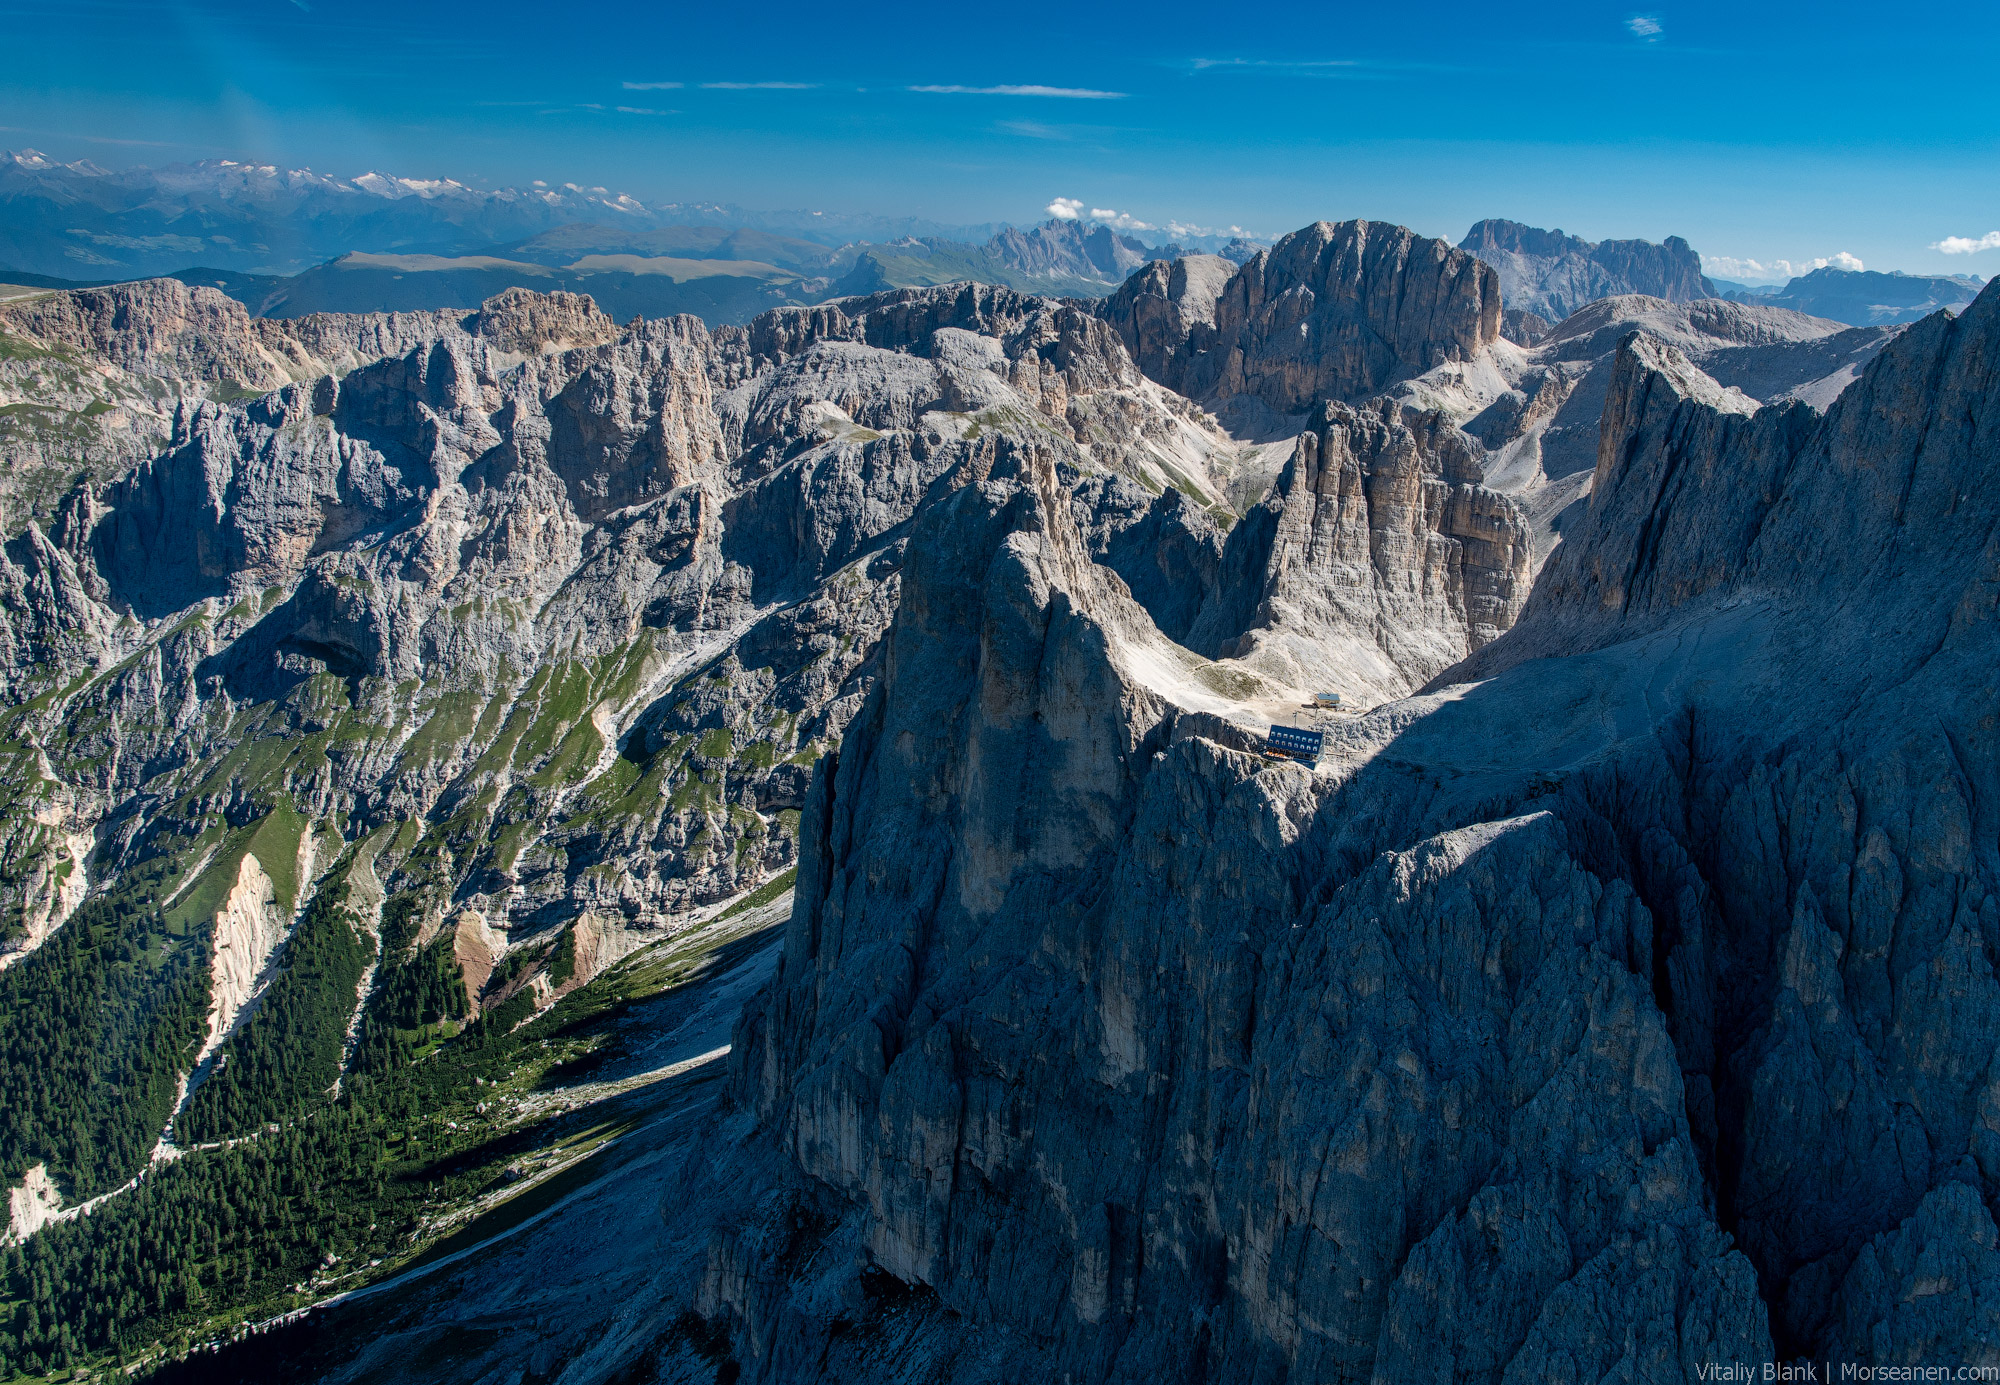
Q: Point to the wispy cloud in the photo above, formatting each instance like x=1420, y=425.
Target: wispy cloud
x=1338, y=69
x=1031, y=129
x=1646, y=27
x=1772, y=271
x=758, y=86
x=1296, y=65
x=1968, y=245
x=643, y=110
x=654, y=86
x=1072, y=93
x=1076, y=209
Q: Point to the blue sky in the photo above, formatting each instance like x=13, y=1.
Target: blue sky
x=1774, y=133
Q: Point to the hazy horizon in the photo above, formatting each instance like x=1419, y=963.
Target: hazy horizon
x=1608, y=122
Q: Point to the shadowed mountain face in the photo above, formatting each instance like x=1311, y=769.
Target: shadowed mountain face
x=1552, y=275
x=1617, y=995
x=1628, y=1009
x=1542, y=428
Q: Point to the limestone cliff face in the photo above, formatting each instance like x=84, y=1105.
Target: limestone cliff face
x=1539, y=412
x=155, y=327
x=1137, y=1051
x=92, y=380
x=196, y=337
x=593, y=598
x=1691, y=481
x=1553, y=275
x=1335, y=311
x=1824, y=585
x=1377, y=559
x=1628, y=1009
x=1161, y=307
x=1621, y=1003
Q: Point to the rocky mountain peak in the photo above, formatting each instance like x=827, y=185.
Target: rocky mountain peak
x=152, y=327
x=1552, y=274
x=1377, y=555
x=530, y=323
x=1334, y=311
x=1698, y=493
x=1057, y=247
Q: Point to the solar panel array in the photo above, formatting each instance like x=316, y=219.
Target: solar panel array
x=1294, y=741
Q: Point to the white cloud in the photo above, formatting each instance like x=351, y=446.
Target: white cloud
x=1119, y=221
x=1966, y=245
x=1188, y=228
x=1076, y=93
x=1773, y=271
x=644, y=110
x=654, y=86
x=1645, y=26
x=758, y=86
x=1072, y=209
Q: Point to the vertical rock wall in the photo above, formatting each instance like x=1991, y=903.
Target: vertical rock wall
x=1377, y=560
x=1625, y=1011
x=1335, y=311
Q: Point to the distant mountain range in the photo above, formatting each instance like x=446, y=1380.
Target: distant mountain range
x=1866, y=298
x=1070, y=258
x=79, y=221
x=1551, y=275
x=288, y=242
x=1546, y=275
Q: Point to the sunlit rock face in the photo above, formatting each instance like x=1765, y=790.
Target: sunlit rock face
x=1377, y=561
x=1553, y=275
x=1335, y=311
